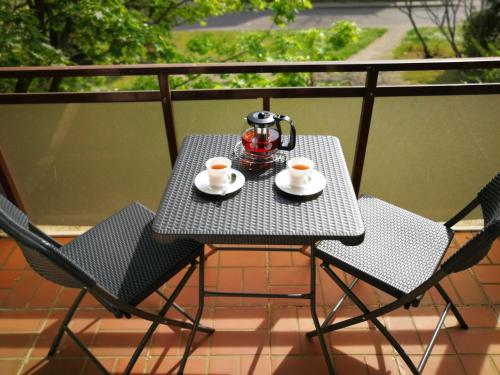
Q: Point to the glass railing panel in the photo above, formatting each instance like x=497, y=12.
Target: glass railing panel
x=431, y=155
x=212, y=116
x=75, y=164
x=325, y=116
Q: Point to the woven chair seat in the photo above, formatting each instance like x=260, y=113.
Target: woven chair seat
x=400, y=251
x=122, y=256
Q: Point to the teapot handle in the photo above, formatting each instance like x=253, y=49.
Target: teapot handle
x=293, y=134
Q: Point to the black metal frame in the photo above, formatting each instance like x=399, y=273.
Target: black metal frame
x=311, y=296
x=166, y=96
x=372, y=315
x=468, y=255
x=156, y=319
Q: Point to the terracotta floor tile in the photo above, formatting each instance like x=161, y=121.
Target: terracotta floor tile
x=285, y=335
x=381, y=365
x=15, y=345
x=468, y=288
x=84, y=324
x=290, y=365
x=9, y=278
x=475, y=317
x=242, y=258
x=109, y=323
x=496, y=361
x=170, y=365
x=280, y=258
x=115, y=343
x=365, y=293
x=253, y=365
x=289, y=276
x=493, y=293
x=299, y=259
x=7, y=246
x=350, y=364
x=138, y=368
x=241, y=318
x=46, y=295
x=255, y=281
x=22, y=321
x=230, y=279
x=488, y=273
x=478, y=365
x=449, y=289
x=23, y=291
x=54, y=366
x=10, y=366
x=91, y=369
x=201, y=343
x=436, y=365
x=476, y=341
x=367, y=341
x=166, y=341
x=224, y=365
x=240, y=343
x=400, y=324
x=16, y=261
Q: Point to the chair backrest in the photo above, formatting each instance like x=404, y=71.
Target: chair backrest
x=40, y=251
x=476, y=249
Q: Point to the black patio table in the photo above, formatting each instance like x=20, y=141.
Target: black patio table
x=259, y=213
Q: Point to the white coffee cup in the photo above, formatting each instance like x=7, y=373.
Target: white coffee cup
x=218, y=171
x=299, y=170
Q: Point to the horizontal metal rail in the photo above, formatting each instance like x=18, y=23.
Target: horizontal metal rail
x=227, y=94
x=249, y=67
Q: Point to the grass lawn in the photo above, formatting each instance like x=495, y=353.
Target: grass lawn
x=181, y=39
x=277, y=45
x=411, y=48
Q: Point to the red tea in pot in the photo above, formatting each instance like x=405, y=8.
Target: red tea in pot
x=260, y=140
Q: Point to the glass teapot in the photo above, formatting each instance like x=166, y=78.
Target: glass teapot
x=261, y=138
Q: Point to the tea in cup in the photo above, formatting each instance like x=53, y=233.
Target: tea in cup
x=218, y=169
x=299, y=170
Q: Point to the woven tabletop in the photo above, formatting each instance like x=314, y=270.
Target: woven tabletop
x=259, y=213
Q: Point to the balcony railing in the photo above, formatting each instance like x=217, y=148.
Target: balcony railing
x=412, y=139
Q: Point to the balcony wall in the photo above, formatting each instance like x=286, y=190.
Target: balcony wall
x=75, y=164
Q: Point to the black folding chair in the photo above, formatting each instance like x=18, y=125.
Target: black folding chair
x=401, y=255
x=119, y=263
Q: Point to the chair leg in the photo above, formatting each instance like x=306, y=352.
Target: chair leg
x=163, y=312
x=65, y=322
x=196, y=323
x=332, y=313
x=454, y=309
x=375, y=321
x=314, y=314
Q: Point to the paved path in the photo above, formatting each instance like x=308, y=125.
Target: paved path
x=368, y=16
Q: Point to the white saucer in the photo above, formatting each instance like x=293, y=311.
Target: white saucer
x=314, y=186
x=201, y=183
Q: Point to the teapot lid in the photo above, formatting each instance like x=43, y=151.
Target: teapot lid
x=261, y=118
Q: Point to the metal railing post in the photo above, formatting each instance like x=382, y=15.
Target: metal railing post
x=364, y=127
x=168, y=115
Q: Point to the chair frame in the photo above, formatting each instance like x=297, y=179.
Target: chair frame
x=34, y=239
x=408, y=300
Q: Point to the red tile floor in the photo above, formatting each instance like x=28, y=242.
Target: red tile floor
x=253, y=336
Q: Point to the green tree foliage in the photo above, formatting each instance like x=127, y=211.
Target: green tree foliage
x=482, y=31
x=54, y=32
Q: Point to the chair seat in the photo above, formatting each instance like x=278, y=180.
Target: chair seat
x=123, y=257
x=400, y=250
